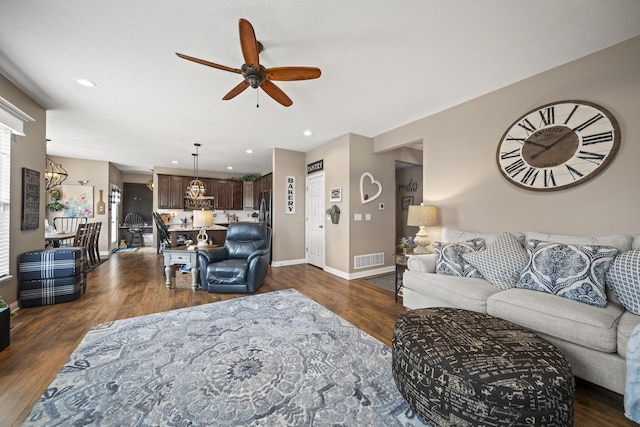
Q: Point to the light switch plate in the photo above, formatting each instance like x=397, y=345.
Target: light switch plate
x=367, y=217
x=381, y=206
x=357, y=217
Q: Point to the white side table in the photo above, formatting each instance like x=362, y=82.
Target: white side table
x=180, y=257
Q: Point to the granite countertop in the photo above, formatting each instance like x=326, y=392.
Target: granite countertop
x=214, y=227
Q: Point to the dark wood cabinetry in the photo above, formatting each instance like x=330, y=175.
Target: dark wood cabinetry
x=228, y=194
x=171, y=190
x=264, y=183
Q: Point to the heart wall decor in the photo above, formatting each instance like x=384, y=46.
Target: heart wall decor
x=364, y=197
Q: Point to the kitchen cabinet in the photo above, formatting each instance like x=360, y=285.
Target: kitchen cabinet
x=171, y=190
x=264, y=183
x=247, y=196
x=228, y=194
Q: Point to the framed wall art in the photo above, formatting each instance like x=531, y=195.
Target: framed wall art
x=30, y=218
x=78, y=200
x=335, y=194
x=407, y=201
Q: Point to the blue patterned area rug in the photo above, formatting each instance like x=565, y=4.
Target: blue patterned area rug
x=273, y=359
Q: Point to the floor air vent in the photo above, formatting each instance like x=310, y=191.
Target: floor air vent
x=369, y=260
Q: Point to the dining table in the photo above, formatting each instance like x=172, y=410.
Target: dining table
x=54, y=238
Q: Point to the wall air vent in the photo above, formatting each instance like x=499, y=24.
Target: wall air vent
x=369, y=260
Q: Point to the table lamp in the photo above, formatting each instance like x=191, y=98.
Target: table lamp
x=423, y=217
x=202, y=219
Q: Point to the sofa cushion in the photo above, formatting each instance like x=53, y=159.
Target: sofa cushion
x=628, y=321
x=624, y=277
x=622, y=242
x=453, y=235
x=502, y=262
x=636, y=242
x=575, y=272
x=582, y=324
x=450, y=261
x=461, y=292
x=424, y=263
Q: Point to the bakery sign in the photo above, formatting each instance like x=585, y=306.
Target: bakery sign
x=291, y=196
x=315, y=166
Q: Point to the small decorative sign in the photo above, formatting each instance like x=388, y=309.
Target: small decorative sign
x=30, y=199
x=291, y=196
x=315, y=166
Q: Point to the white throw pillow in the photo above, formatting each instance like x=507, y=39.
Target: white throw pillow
x=502, y=262
x=576, y=272
x=449, y=259
x=624, y=277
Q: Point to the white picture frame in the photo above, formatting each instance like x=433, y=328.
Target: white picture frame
x=335, y=194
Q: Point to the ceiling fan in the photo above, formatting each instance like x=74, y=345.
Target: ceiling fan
x=255, y=75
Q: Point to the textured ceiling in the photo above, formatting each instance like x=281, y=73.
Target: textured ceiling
x=383, y=64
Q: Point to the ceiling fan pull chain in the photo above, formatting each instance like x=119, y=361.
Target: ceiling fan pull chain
x=257, y=98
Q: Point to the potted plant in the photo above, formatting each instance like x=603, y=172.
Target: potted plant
x=55, y=205
x=5, y=324
x=406, y=244
x=334, y=214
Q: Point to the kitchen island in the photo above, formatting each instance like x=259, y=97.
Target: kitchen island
x=217, y=233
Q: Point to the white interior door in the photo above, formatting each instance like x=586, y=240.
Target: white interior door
x=114, y=203
x=315, y=220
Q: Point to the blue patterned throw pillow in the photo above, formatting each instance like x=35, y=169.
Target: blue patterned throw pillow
x=502, y=262
x=624, y=277
x=449, y=259
x=576, y=272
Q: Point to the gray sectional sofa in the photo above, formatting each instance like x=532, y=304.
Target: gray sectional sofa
x=594, y=339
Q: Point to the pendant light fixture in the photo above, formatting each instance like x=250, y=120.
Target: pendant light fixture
x=195, y=188
x=54, y=173
x=150, y=182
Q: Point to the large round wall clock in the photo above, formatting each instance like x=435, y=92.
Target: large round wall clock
x=558, y=145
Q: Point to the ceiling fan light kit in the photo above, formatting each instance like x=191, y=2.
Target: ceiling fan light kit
x=254, y=74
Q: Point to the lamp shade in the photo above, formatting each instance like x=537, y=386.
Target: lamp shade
x=202, y=219
x=422, y=216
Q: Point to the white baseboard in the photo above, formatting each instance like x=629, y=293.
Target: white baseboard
x=288, y=262
x=360, y=274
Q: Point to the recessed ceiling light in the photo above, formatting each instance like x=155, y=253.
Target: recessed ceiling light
x=307, y=133
x=249, y=151
x=86, y=83
x=175, y=162
x=229, y=167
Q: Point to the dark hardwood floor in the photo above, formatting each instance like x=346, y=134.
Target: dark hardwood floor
x=132, y=284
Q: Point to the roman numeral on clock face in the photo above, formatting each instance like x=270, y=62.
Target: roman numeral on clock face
x=588, y=123
x=597, y=138
x=548, y=116
x=591, y=157
x=549, y=179
x=510, y=154
x=526, y=125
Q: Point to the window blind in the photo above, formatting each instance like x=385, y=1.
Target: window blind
x=5, y=199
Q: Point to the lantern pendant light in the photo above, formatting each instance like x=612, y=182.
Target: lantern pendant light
x=195, y=188
x=54, y=173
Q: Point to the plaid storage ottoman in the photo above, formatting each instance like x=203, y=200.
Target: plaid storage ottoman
x=51, y=276
x=34, y=293
x=463, y=368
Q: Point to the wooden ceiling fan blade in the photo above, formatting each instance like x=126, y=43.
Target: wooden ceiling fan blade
x=292, y=73
x=249, y=45
x=276, y=93
x=209, y=64
x=236, y=90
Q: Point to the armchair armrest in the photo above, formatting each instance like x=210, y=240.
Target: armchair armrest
x=257, y=254
x=422, y=263
x=213, y=254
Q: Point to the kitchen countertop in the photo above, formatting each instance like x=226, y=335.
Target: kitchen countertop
x=214, y=227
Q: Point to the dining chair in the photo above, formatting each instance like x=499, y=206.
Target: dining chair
x=134, y=221
x=68, y=224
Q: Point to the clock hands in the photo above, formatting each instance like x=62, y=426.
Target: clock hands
x=547, y=147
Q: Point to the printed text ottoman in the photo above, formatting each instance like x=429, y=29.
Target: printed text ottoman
x=462, y=368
